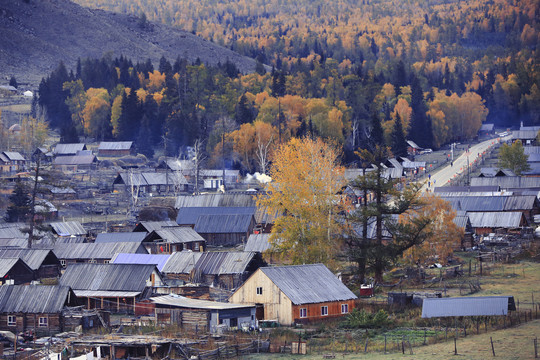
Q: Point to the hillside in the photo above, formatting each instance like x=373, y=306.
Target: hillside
x=37, y=35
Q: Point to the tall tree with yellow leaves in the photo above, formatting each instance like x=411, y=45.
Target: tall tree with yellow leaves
x=306, y=179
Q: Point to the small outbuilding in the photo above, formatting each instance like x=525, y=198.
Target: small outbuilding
x=468, y=306
x=115, y=148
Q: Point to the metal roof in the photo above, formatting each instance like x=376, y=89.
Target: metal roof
x=118, y=237
x=467, y=306
x=158, y=260
x=75, y=160
x=223, y=224
x=181, y=262
x=524, y=134
x=66, y=149
x=105, y=293
x=68, y=228
x=181, y=301
x=115, y=145
x=14, y=156
x=308, y=284
x=492, y=203
x=227, y=262
x=495, y=219
x=215, y=200
x=40, y=299
x=529, y=150
x=6, y=264
x=176, y=235
x=107, y=277
x=534, y=169
x=190, y=215
x=258, y=242
x=219, y=172
x=150, y=226
x=461, y=220
x=508, y=182
x=150, y=178
x=95, y=250
x=466, y=189
x=32, y=257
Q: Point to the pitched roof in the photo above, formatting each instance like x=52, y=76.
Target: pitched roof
x=14, y=156
x=119, y=237
x=158, y=260
x=181, y=301
x=150, y=178
x=181, y=262
x=107, y=277
x=307, y=284
x=190, y=215
x=75, y=160
x=258, y=242
x=495, y=219
x=150, y=226
x=467, y=306
x=32, y=257
x=524, y=134
x=67, y=149
x=214, y=200
x=176, y=235
x=96, y=250
x=39, y=299
x=508, y=182
x=223, y=224
x=6, y=264
x=115, y=145
x=68, y=228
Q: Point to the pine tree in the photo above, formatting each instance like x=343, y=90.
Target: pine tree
x=398, y=142
x=19, y=207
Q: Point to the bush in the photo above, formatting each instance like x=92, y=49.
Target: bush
x=362, y=319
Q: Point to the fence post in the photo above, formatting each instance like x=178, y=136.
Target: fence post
x=492, y=348
x=535, y=341
x=455, y=346
x=385, y=343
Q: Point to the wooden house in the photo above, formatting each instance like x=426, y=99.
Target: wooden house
x=14, y=271
x=225, y=230
x=171, y=239
x=11, y=161
x=149, y=226
x=115, y=148
x=224, y=269
x=295, y=294
x=36, y=308
x=80, y=161
x=43, y=263
x=68, y=149
x=97, y=253
x=488, y=222
x=201, y=315
x=150, y=182
x=113, y=287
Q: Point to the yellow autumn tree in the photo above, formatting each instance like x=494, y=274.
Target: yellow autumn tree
x=96, y=113
x=306, y=179
x=445, y=234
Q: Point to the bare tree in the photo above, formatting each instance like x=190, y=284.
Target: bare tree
x=198, y=159
x=262, y=153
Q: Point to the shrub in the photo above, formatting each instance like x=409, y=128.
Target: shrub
x=362, y=319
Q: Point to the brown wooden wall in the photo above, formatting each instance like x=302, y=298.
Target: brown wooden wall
x=187, y=319
x=31, y=322
x=314, y=311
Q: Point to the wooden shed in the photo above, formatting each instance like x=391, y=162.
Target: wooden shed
x=43, y=263
x=15, y=271
x=295, y=294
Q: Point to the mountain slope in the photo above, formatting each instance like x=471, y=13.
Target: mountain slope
x=36, y=36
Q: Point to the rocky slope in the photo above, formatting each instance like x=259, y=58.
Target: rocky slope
x=35, y=35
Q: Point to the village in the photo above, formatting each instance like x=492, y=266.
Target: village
x=144, y=258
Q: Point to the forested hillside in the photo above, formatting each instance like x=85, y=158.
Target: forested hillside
x=342, y=70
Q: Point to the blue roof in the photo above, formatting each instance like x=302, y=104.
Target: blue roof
x=145, y=259
x=190, y=215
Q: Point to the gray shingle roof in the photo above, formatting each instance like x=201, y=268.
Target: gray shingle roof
x=38, y=299
x=223, y=224
x=258, y=242
x=176, y=235
x=68, y=149
x=14, y=156
x=115, y=145
x=32, y=257
x=119, y=237
x=214, y=200
x=6, y=264
x=150, y=178
x=150, y=226
x=107, y=277
x=467, y=306
x=308, y=284
x=190, y=215
x=96, y=251
x=492, y=203
x=508, y=182
x=214, y=263
x=75, y=160
x=181, y=262
x=495, y=219
x=68, y=228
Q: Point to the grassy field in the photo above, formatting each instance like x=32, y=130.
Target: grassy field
x=514, y=343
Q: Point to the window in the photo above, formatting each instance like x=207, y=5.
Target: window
x=303, y=313
x=11, y=320
x=63, y=263
x=344, y=308
x=43, y=322
x=259, y=290
x=324, y=310
x=105, y=261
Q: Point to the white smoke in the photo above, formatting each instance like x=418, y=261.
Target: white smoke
x=262, y=178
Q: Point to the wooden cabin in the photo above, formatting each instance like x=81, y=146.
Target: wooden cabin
x=295, y=294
